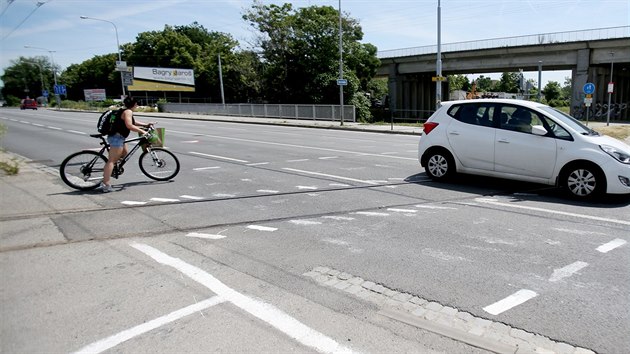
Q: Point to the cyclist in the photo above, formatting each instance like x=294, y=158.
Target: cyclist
x=123, y=124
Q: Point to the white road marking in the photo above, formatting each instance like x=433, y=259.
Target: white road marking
x=112, y=341
x=611, y=245
x=206, y=236
x=305, y=222
x=38, y=125
x=511, y=301
x=421, y=206
x=190, y=141
x=261, y=228
x=258, y=164
x=328, y=157
x=565, y=272
x=297, y=146
x=223, y=195
x=306, y=187
x=371, y=213
x=396, y=179
x=190, y=197
x=590, y=217
x=164, y=200
x=205, y=168
x=54, y=128
x=76, y=132
x=402, y=210
x=339, y=185
x=345, y=218
x=578, y=232
x=217, y=157
x=131, y=202
x=327, y=175
x=267, y=191
x=264, y=311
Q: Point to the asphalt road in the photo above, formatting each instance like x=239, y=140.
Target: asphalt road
x=261, y=206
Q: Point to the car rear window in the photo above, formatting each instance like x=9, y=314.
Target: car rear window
x=453, y=111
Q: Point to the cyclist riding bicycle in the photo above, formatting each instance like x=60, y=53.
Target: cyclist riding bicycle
x=123, y=125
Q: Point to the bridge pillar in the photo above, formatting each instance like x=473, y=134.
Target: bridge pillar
x=580, y=74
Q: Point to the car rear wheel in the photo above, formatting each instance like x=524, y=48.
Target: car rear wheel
x=439, y=165
x=583, y=181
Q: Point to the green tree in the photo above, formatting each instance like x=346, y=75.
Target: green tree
x=458, y=82
x=97, y=72
x=509, y=82
x=552, y=91
x=300, y=50
x=484, y=84
x=24, y=77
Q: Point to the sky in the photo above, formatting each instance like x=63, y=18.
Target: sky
x=55, y=25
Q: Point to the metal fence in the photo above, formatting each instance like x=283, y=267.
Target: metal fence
x=285, y=111
x=534, y=39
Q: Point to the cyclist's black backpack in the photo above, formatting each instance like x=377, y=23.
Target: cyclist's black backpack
x=105, y=122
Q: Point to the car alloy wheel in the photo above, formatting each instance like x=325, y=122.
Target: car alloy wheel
x=581, y=183
x=439, y=165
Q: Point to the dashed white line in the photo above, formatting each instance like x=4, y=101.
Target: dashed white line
x=333, y=217
x=327, y=175
x=217, y=157
x=258, y=164
x=76, y=132
x=206, y=236
x=371, y=213
x=402, y=210
x=511, y=301
x=112, y=341
x=164, y=200
x=306, y=187
x=54, y=128
x=328, y=157
x=131, y=202
x=565, y=272
x=205, y=168
x=264, y=311
x=305, y=222
x=192, y=197
x=267, y=191
x=261, y=228
x=611, y=245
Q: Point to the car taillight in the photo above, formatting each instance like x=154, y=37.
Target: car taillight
x=429, y=126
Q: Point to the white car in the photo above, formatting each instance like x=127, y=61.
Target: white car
x=525, y=141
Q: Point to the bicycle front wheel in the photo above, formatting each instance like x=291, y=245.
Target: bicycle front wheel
x=83, y=170
x=159, y=164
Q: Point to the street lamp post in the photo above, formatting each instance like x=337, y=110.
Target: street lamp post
x=52, y=61
x=438, y=63
x=612, y=57
x=117, y=47
x=340, y=65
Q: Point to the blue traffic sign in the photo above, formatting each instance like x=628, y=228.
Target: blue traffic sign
x=60, y=89
x=589, y=88
x=342, y=82
x=45, y=93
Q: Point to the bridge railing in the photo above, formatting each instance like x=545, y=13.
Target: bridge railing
x=533, y=39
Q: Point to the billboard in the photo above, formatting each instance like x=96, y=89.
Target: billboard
x=162, y=79
x=94, y=95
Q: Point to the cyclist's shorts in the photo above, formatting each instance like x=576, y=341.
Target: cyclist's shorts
x=116, y=140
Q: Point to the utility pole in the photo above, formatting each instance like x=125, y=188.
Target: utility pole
x=438, y=66
x=340, y=64
x=610, y=87
x=539, y=80
x=221, y=81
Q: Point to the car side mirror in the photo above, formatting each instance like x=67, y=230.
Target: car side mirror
x=539, y=130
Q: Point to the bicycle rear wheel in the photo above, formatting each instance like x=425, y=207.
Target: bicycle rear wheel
x=83, y=170
x=159, y=164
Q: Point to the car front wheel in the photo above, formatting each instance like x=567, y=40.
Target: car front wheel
x=439, y=165
x=583, y=181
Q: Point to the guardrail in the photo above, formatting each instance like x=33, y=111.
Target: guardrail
x=534, y=39
x=284, y=111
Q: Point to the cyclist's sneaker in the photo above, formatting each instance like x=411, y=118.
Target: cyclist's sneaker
x=105, y=188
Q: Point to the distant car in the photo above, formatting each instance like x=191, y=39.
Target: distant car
x=525, y=141
x=28, y=103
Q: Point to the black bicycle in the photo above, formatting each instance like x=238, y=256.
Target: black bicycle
x=83, y=170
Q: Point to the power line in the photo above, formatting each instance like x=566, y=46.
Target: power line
x=37, y=6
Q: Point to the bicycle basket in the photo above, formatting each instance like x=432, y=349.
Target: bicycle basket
x=156, y=139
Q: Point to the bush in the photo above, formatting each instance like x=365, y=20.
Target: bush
x=362, y=107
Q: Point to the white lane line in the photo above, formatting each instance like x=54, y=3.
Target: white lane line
x=297, y=146
x=205, y=168
x=131, y=202
x=402, y=210
x=217, y=157
x=258, y=164
x=112, y=341
x=305, y=222
x=206, y=236
x=327, y=175
x=38, y=125
x=565, y=272
x=312, y=188
x=339, y=185
x=164, y=200
x=611, y=245
x=54, y=128
x=261, y=228
x=267, y=191
x=190, y=141
x=371, y=213
x=264, y=311
x=590, y=217
x=511, y=301
x=76, y=132
x=328, y=157
x=192, y=197
x=332, y=217
x=434, y=207
x=223, y=195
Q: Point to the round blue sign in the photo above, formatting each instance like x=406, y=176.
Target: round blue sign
x=589, y=88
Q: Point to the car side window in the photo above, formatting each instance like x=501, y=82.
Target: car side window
x=518, y=119
x=475, y=114
x=554, y=129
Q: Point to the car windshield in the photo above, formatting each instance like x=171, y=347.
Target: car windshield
x=570, y=121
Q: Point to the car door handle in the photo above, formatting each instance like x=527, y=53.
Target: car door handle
x=454, y=132
x=504, y=141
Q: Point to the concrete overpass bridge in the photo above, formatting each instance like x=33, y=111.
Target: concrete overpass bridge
x=586, y=53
